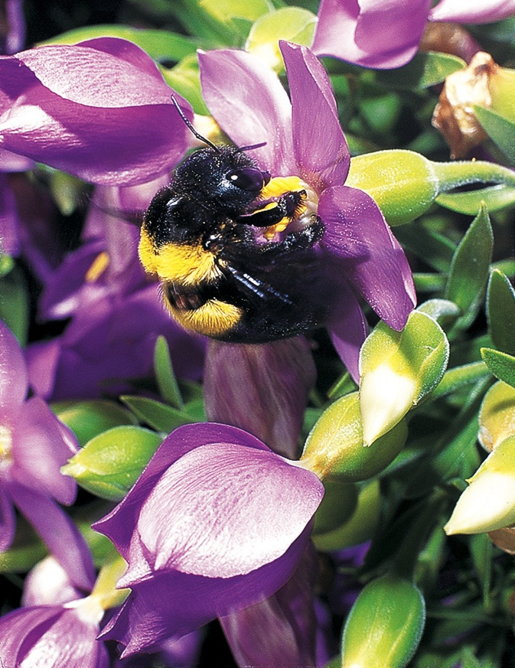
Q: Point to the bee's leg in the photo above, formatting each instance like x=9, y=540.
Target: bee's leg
x=274, y=211
x=302, y=239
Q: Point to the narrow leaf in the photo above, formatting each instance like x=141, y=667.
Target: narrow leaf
x=501, y=312
x=500, y=364
x=165, y=377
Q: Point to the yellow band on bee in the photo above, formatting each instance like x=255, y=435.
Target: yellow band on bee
x=185, y=264
x=214, y=318
x=281, y=185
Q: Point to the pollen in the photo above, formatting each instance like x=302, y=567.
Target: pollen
x=5, y=445
x=304, y=212
x=97, y=268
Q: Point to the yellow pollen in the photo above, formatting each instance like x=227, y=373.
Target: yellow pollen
x=98, y=266
x=5, y=443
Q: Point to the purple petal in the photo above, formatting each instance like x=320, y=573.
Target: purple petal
x=348, y=329
x=48, y=584
x=248, y=101
x=373, y=261
x=15, y=37
x=172, y=604
x=279, y=631
x=121, y=523
x=7, y=519
x=13, y=375
x=320, y=146
x=9, y=221
x=55, y=96
x=261, y=388
x=258, y=503
x=370, y=33
x=39, y=451
x=60, y=534
x=472, y=11
x=51, y=635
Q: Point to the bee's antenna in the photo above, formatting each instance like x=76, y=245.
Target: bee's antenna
x=191, y=128
x=252, y=146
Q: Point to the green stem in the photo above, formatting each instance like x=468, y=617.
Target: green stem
x=452, y=175
x=455, y=378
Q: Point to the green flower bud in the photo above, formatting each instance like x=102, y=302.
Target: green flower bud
x=497, y=415
x=110, y=463
x=404, y=184
x=339, y=503
x=89, y=418
x=385, y=625
x=488, y=503
x=335, y=450
x=397, y=370
x=293, y=24
x=360, y=527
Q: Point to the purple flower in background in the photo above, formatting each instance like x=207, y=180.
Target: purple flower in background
x=34, y=445
x=216, y=522
x=54, y=635
x=99, y=109
x=12, y=33
x=383, y=35
x=116, y=315
x=304, y=138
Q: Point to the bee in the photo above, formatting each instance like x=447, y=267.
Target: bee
x=234, y=249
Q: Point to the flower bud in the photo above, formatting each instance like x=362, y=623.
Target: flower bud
x=488, y=503
x=397, y=370
x=497, y=415
x=385, y=624
x=402, y=183
x=339, y=503
x=110, y=463
x=360, y=527
x=335, y=450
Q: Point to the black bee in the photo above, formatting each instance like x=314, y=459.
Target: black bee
x=234, y=249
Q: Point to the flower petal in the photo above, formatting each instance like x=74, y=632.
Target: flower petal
x=59, y=532
x=373, y=260
x=39, y=450
x=472, y=11
x=13, y=375
x=173, y=603
x=261, y=388
x=221, y=496
x=369, y=33
x=249, y=103
x=121, y=523
x=7, y=519
x=55, y=96
x=320, y=146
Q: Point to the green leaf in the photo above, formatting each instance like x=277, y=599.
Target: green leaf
x=469, y=268
x=88, y=419
x=500, y=364
x=185, y=79
x=500, y=129
x=481, y=550
x=111, y=462
x=165, y=377
x=159, y=44
x=496, y=198
x=425, y=70
x=500, y=305
x=159, y=416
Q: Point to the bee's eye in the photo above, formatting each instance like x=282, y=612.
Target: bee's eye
x=248, y=178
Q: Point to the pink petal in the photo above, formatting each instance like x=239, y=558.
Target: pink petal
x=370, y=33
x=373, y=261
x=7, y=519
x=472, y=11
x=59, y=533
x=222, y=511
x=248, y=101
x=320, y=146
x=13, y=375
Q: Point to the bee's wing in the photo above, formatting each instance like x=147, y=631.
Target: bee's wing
x=256, y=288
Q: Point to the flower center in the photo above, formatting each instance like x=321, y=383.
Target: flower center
x=305, y=210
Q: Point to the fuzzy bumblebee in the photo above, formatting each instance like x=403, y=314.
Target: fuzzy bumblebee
x=234, y=249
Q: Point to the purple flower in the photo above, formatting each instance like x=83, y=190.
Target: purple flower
x=304, y=139
x=54, y=635
x=216, y=522
x=33, y=447
x=99, y=109
x=13, y=28
x=379, y=34
x=116, y=315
